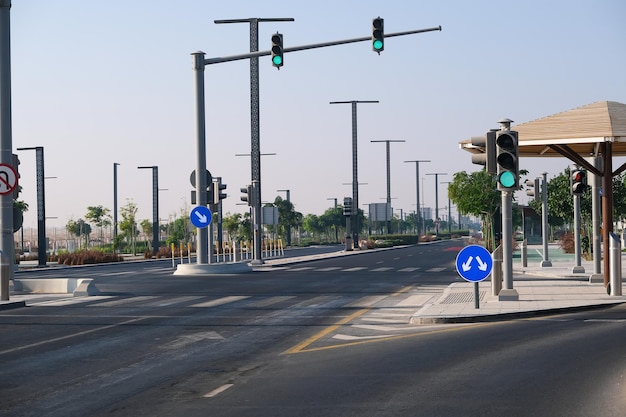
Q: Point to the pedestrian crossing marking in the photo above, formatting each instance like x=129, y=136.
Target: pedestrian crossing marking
x=125, y=300
x=366, y=301
x=330, y=268
x=302, y=268
x=221, y=301
x=382, y=269
x=410, y=269
x=439, y=269
x=269, y=301
x=355, y=269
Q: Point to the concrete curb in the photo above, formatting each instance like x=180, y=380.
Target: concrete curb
x=489, y=318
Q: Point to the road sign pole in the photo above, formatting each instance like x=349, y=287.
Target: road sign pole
x=202, y=251
x=6, y=142
x=476, y=295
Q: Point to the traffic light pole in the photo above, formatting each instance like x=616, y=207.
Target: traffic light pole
x=507, y=293
x=199, y=65
x=544, y=220
x=578, y=268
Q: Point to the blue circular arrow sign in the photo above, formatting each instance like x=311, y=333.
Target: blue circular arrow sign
x=201, y=216
x=474, y=263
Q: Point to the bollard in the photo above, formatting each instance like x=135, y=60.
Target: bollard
x=524, y=253
x=5, y=266
x=615, y=277
x=348, y=243
x=496, y=272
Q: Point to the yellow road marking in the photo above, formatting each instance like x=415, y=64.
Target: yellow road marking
x=309, y=341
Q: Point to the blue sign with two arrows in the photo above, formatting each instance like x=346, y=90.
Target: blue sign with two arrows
x=474, y=263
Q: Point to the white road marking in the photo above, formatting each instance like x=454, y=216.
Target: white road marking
x=221, y=301
x=217, y=391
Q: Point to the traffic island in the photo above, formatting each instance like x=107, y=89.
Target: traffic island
x=213, y=269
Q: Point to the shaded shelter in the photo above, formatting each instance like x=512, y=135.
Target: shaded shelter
x=594, y=130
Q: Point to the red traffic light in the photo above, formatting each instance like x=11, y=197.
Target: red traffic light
x=579, y=181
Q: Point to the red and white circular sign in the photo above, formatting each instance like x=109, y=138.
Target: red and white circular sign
x=8, y=179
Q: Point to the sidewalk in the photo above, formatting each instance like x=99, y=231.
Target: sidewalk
x=542, y=291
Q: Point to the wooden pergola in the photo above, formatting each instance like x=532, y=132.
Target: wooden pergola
x=595, y=130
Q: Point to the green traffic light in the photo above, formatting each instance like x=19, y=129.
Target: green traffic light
x=277, y=60
x=378, y=45
x=507, y=179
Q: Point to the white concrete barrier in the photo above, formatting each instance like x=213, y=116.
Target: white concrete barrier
x=75, y=286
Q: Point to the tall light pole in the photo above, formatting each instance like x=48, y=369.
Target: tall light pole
x=155, y=207
x=42, y=253
x=355, y=165
x=437, y=174
x=417, y=193
x=388, y=209
x=115, y=164
x=255, y=123
x=449, y=208
x=336, y=231
x=288, y=226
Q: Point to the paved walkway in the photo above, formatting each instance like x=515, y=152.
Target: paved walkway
x=541, y=291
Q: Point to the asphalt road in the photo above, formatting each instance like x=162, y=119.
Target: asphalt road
x=323, y=338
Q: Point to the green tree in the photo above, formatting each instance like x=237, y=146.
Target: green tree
x=146, y=228
x=476, y=194
x=99, y=216
x=80, y=229
x=288, y=217
x=180, y=231
x=561, y=202
x=333, y=218
x=128, y=225
x=313, y=225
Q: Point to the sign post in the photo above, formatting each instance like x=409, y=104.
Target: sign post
x=474, y=264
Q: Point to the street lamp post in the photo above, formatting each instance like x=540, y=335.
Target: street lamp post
x=115, y=164
x=417, y=193
x=449, y=208
x=155, y=207
x=42, y=253
x=355, y=176
x=437, y=174
x=336, y=231
x=388, y=208
x=255, y=123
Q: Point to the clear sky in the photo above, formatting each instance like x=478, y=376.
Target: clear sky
x=98, y=82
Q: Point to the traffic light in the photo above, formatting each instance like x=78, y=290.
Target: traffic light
x=507, y=158
x=533, y=191
x=277, y=50
x=347, y=206
x=579, y=181
x=217, y=191
x=378, y=34
x=210, y=194
x=247, y=194
x=487, y=143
